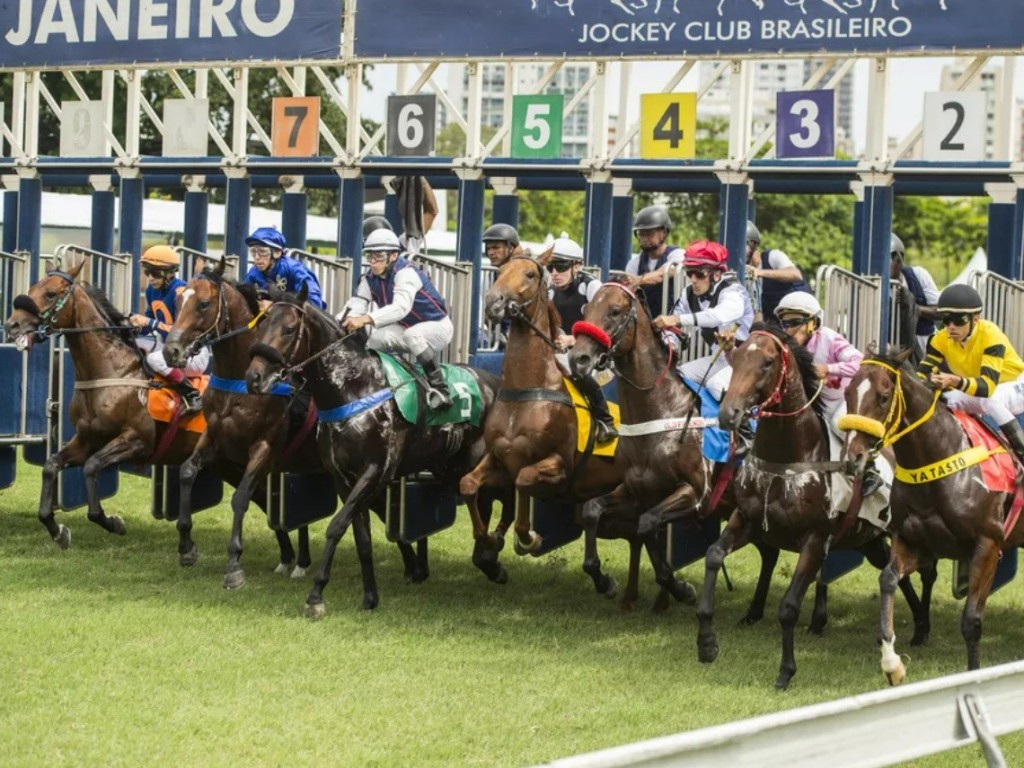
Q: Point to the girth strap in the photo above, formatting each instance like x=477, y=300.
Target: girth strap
x=100, y=383
x=534, y=395
x=665, y=425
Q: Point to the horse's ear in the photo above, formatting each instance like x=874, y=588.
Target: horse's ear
x=901, y=355
x=303, y=294
x=218, y=268
x=871, y=350
x=77, y=269
x=544, y=257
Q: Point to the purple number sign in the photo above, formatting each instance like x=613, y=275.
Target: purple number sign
x=805, y=124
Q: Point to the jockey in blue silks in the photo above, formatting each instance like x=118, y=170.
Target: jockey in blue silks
x=273, y=267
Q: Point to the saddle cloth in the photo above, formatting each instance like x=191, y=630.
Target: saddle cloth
x=462, y=386
x=998, y=471
x=162, y=402
x=714, y=441
x=583, y=423
x=874, y=509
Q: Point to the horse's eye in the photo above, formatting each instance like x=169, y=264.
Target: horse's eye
x=767, y=364
x=530, y=274
x=290, y=329
x=204, y=304
x=50, y=295
x=615, y=311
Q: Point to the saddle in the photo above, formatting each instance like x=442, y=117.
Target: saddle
x=407, y=380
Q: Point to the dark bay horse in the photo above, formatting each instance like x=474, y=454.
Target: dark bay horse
x=530, y=435
x=108, y=409
x=369, y=444
x=954, y=516
x=783, y=496
x=665, y=476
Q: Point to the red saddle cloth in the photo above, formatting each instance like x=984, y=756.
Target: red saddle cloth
x=999, y=471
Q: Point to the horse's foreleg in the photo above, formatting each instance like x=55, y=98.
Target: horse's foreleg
x=682, y=502
x=983, y=571
x=364, y=551
x=812, y=555
x=592, y=512
x=735, y=536
x=204, y=451
x=304, y=558
x=769, y=558
x=550, y=471
x=486, y=473
x=355, y=500
x=902, y=562
x=255, y=472
x=127, y=445
x=72, y=454
x=877, y=553
x=484, y=557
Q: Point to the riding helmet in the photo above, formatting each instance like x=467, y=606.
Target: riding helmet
x=799, y=303
x=373, y=223
x=161, y=257
x=896, y=246
x=566, y=249
x=706, y=253
x=268, y=236
x=753, y=233
x=501, y=233
x=382, y=240
x=960, y=298
x=652, y=217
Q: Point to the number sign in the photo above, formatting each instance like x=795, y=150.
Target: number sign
x=805, y=124
x=537, y=125
x=295, y=130
x=668, y=124
x=185, y=122
x=3, y=141
x=411, y=125
x=81, y=129
x=954, y=126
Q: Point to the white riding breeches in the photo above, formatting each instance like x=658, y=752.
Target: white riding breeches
x=716, y=376
x=194, y=366
x=434, y=335
x=1006, y=403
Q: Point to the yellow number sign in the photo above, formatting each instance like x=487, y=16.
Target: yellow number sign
x=295, y=131
x=668, y=124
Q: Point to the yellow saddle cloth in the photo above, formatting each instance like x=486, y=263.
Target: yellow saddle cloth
x=583, y=423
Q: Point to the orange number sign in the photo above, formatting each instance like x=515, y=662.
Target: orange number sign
x=296, y=128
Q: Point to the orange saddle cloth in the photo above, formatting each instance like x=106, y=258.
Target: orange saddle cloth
x=163, y=402
x=998, y=471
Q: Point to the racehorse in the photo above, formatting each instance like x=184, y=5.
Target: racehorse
x=363, y=438
x=108, y=409
x=531, y=432
x=665, y=475
x=954, y=515
x=783, y=496
x=250, y=434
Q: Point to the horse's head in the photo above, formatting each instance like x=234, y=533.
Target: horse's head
x=282, y=340
x=46, y=306
x=202, y=314
x=519, y=285
x=608, y=329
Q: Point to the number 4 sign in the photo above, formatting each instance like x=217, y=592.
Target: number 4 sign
x=295, y=131
x=537, y=125
x=668, y=125
x=805, y=124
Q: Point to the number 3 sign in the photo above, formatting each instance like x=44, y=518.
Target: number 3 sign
x=805, y=124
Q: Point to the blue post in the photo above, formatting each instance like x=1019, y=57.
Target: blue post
x=860, y=250
x=236, y=217
x=506, y=205
x=392, y=212
x=30, y=211
x=101, y=237
x=197, y=210
x=598, y=232
x=622, y=224
x=133, y=192
x=1002, y=212
x=350, y=220
x=878, y=238
x=1017, y=254
x=732, y=221
x=293, y=218
x=752, y=209
x=469, y=245
x=10, y=230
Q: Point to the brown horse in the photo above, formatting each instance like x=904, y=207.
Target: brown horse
x=954, y=516
x=112, y=422
x=530, y=432
x=783, y=496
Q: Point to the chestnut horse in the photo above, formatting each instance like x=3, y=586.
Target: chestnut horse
x=108, y=409
x=366, y=443
x=783, y=495
x=954, y=516
x=531, y=433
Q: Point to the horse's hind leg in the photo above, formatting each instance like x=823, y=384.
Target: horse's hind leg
x=71, y=455
x=592, y=512
x=769, y=559
x=983, y=571
x=255, y=474
x=809, y=564
x=735, y=536
x=902, y=562
x=205, y=449
x=127, y=445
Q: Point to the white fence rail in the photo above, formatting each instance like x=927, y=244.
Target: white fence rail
x=853, y=305
x=111, y=272
x=873, y=729
x=1003, y=300
x=190, y=258
x=334, y=275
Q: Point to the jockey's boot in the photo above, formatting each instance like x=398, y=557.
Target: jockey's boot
x=191, y=398
x=438, y=398
x=744, y=439
x=604, y=425
x=872, y=481
x=1014, y=436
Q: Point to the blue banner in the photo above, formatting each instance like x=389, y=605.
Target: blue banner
x=681, y=28
x=65, y=33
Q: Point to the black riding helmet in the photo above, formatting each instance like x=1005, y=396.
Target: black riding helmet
x=373, y=223
x=960, y=299
x=502, y=233
x=652, y=217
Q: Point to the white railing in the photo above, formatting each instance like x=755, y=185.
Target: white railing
x=189, y=257
x=454, y=283
x=13, y=280
x=112, y=272
x=1003, y=301
x=334, y=275
x=873, y=729
x=853, y=305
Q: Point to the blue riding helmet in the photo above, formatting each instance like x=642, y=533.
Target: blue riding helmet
x=267, y=236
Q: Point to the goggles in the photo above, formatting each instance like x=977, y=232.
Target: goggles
x=955, y=318
x=155, y=271
x=560, y=266
x=697, y=274
x=260, y=252
x=793, y=322
x=376, y=258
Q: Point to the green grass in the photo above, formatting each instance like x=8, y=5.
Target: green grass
x=114, y=655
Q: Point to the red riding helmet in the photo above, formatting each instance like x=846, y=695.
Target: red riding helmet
x=707, y=254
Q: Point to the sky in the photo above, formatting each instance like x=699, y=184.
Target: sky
x=909, y=80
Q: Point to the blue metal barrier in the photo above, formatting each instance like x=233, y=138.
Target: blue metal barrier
x=295, y=500
x=416, y=508
x=8, y=466
x=165, y=497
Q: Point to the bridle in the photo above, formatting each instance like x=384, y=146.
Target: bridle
x=48, y=316
x=775, y=397
x=888, y=430
x=260, y=349
x=515, y=308
x=204, y=338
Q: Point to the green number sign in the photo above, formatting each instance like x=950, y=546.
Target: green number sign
x=537, y=125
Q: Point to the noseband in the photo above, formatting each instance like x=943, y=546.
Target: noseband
x=47, y=316
x=775, y=397
x=887, y=431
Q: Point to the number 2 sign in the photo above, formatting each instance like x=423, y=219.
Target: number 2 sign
x=805, y=124
x=954, y=126
x=295, y=130
x=537, y=125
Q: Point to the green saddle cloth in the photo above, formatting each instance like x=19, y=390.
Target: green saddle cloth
x=462, y=386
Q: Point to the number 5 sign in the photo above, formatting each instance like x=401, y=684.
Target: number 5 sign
x=411, y=124
x=537, y=125
x=295, y=131
x=805, y=124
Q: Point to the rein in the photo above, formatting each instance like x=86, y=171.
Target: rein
x=887, y=431
x=203, y=339
x=515, y=309
x=775, y=398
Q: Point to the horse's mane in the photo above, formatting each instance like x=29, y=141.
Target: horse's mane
x=112, y=317
x=247, y=290
x=288, y=297
x=804, y=363
x=554, y=319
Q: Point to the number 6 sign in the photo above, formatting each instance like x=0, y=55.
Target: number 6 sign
x=537, y=125
x=411, y=123
x=805, y=124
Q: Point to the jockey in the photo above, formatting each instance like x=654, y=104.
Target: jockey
x=921, y=286
x=779, y=276
x=273, y=267
x=373, y=223
x=411, y=316
x=159, y=265
x=986, y=375
x=501, y=241
x=651, y=227
x=570, y=291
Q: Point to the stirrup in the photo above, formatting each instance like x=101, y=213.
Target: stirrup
x=605, y=432
x=438, y=400
x=872, y=482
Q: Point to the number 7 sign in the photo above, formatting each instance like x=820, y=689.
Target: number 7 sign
x=295, y=131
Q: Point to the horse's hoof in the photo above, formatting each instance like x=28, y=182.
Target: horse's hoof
x=234, y=579
x=283, y=568
x=370, y=601
x=117, y=525
x=817, y=628
x=896, y=676
x=707, y=652
x=531, y=548
x=299, y=572
x=919, y=639
x=500, y=576
x=684, y=592
x=188, y=559
x=626, y=606
x=750, y=619
x=315, y=611
x=783, y=681
x=613, y=589
x=63, y=537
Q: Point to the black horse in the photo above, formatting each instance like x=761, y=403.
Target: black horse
x=365, y=442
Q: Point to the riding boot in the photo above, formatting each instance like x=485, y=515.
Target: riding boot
x=1014, y=434
x=191, y=398
x=604, y=424
x=872, y=481
x=438, y=398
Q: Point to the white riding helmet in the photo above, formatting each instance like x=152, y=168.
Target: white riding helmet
x=567, y=249
x=381, y=240
x=801, y=303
